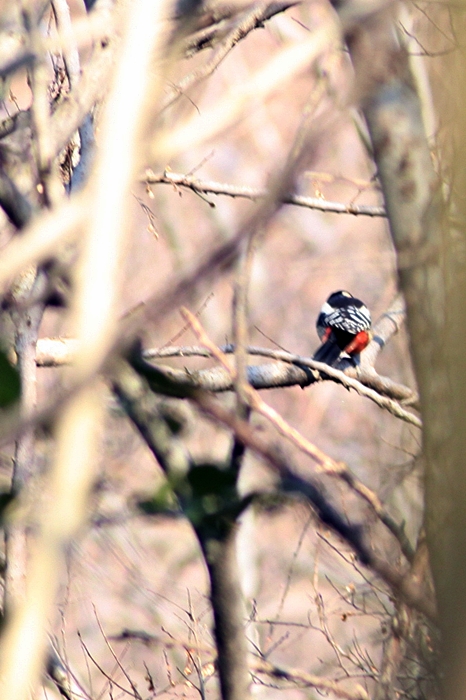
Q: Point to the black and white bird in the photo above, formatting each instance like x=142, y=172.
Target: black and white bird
x=343, y=326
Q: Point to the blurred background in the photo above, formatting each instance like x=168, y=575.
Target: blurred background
x=133, y=616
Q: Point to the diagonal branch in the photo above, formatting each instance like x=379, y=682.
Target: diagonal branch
x=325, y=463
x=407, y=587
x=221, y=16
x=249, y=20
x=311, y=488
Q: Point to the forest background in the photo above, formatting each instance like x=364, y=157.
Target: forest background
x=187, y=512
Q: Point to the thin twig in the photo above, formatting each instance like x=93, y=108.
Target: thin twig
x=117, y=660
x=390, y=405
x=219, y=188
x=109, y=678
x=47, y=166
x=308, y=680
x=62, y=676
x=222, y=18
x=62, y=14
x=242, y=26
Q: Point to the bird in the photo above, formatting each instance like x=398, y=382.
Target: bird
x=344, y=328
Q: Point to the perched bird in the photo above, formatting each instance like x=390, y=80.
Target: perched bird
x=343, y=326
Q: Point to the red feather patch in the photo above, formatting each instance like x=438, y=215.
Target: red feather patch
x=359, y=342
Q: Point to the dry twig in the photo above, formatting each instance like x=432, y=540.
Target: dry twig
x=221, y=188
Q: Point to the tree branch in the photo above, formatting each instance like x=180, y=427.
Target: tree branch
x=54, y=352
x=307, y=680
x=238, y=28
x=407, y=587
x=219, y=188
x=221, y=18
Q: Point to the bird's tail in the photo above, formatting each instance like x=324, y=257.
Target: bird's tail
x=329, y=352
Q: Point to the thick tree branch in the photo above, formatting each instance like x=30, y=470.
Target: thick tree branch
x=15, y=205
x=216, y=536
x=279, y=375
x=53, y=352
x=143, y=408
x=71, y=113
x=228, y=610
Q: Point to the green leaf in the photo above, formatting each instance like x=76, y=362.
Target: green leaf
x=162, y=502
x=210, y=479
x=10, y=381
x=6, y=497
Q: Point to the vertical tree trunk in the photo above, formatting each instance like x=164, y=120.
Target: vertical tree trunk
x=228, y=609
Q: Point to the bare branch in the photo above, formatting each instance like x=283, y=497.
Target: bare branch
x=387, y=325
x=218, y=188
x=228, y=610
x=71, y=113
x=63, y=678
x=249, y=20
x=221, y=19
x=15, y=205
x=55, y=352
x=41, y=238
x=408, y=588
x=324, y=462
x=272, y=376
x=308, y=680
x=145, y=412
x=70, y=50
